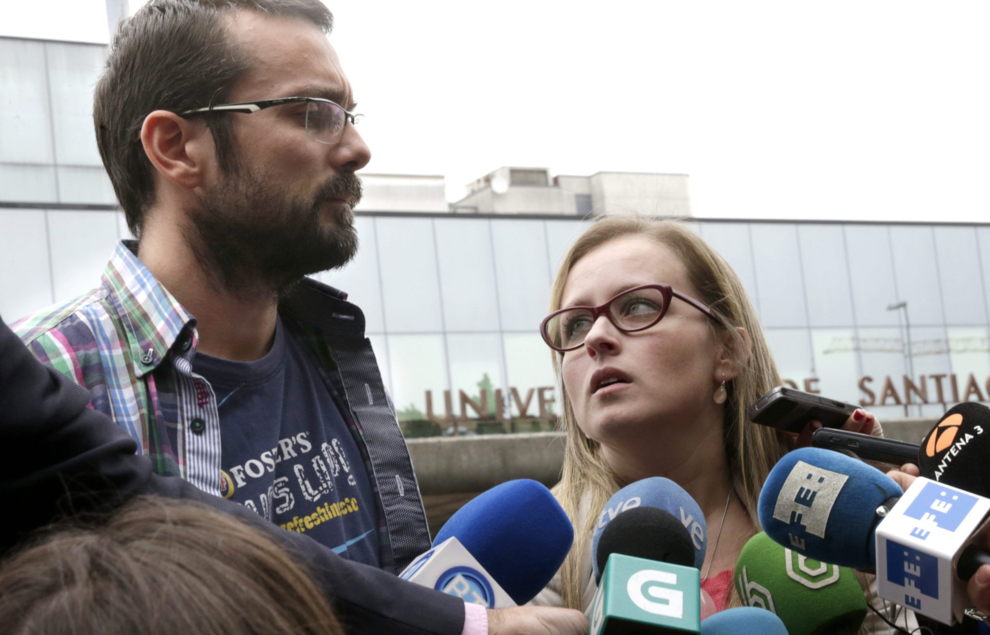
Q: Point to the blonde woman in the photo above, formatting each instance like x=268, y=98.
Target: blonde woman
x=659, y=353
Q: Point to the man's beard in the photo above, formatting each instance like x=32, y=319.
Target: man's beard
x=250, y=235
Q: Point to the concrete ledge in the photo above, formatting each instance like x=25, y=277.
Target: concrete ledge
x=453, y=470
x=448, y=465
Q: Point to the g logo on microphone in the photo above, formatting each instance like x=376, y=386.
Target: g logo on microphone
x=658, y=585
x=468, y=584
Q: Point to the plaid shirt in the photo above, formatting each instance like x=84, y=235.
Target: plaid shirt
x=131, y=344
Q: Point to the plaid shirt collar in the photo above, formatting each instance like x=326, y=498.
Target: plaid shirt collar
x=151, y=316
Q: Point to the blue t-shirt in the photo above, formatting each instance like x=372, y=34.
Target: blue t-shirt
x=287, y=453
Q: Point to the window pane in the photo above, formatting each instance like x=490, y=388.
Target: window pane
x=523, y=274
x=916, y=273
x=84, y=185
x=958, y=268
x=560, y=236
x=72, y=73
x=871, y=274
x=826, y=276
x=467, y=274
x=360, y=278
x=27, y=183
x=778, y=275
x=411, y=293
x=25, y=123
x=885, y=363
x=732, y=242
x=25, y=279
x=419, y=376
x=836, y=364
x=477, y=378
x=533, y=391
x=791, y=349
x=81, y=243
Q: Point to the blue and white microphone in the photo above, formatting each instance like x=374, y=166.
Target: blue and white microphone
x=498, y=550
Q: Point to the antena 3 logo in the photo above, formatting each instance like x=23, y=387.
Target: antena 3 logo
x=946, y=440
x=943, y=435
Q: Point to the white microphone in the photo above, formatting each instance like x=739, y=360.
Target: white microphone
x=450, y=567
x=922, y=543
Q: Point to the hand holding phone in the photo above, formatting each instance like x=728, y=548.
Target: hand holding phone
x=789, y=409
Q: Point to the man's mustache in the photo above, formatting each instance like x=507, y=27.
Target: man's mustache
x=346, y=186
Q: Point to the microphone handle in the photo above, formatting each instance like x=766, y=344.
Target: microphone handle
x=971, y=558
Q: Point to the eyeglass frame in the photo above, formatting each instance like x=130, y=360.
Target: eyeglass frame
x=666, y=291
x=248, y=107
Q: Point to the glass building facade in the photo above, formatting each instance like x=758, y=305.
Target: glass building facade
x=890, y=315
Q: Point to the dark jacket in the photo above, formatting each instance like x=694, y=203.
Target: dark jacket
x=59, y=457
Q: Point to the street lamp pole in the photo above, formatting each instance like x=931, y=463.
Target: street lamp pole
x=908, y=354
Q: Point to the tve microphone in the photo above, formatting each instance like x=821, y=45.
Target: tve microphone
x=517, y=535
x=809, y=596
x=641, y=595
x=663, y=494
x=744, y=619
x=823, y=504
x=956, y=450
x=921, y=545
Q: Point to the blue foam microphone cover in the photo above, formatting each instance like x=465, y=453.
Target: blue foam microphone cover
x=517, y=531
x=823, y=504
x=661, y=493
x=743, y=619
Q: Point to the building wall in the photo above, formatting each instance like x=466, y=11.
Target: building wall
x=454, y=301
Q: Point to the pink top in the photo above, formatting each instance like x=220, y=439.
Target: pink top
x=719, y=588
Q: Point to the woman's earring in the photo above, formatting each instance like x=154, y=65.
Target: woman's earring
x=721, y=394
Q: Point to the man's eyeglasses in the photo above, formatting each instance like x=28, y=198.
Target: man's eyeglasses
x=324, y=119
x=632, y=310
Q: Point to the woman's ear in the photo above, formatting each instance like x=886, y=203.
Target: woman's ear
x=176, y=147
x=733, y=354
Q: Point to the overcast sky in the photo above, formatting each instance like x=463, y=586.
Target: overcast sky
x=830, y=110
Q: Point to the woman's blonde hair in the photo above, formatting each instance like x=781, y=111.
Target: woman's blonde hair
x=162, y=567
x=587, y=482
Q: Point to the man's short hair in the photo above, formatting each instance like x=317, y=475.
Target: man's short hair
x=173, y=55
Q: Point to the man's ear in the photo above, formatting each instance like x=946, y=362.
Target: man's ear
x=733, y=354
x=179, y=149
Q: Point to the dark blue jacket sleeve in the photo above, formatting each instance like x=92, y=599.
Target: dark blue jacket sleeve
x=59, y=457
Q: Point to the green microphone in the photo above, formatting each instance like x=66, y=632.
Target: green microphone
x=809, y=596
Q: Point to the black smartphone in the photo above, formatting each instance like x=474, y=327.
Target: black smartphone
x=789, y=409
x=866, y=446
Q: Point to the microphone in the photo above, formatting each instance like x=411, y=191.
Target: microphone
x=498, y=550
x=645, y=532
x=826, y=505
x=922, y=546
x=660, y=493
x=636, y=592
x=744, y=619
x=955, y=450
x=807, y=595
x=822, y=504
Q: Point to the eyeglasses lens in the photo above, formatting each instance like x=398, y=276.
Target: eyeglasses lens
x=631, y=311
x=324, y=120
